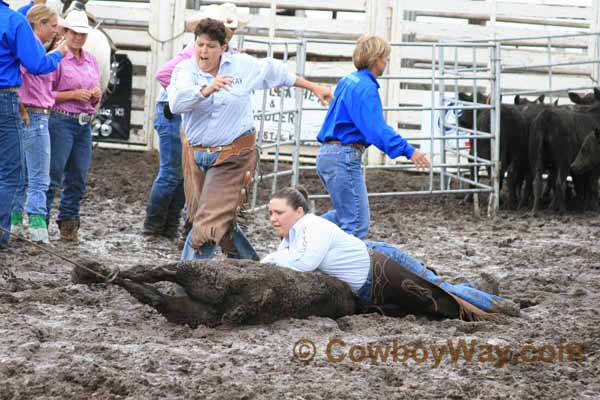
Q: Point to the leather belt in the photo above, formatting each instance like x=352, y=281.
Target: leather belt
x=358, y=146
x=83, y=118
x=38, y=110
x=14, y=89
x=245, y=141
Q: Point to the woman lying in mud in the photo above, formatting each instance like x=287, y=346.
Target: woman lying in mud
x=378, y=273
x=349, y=276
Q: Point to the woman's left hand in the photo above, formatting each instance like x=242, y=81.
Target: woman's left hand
x=96, y=92
x=323, y=93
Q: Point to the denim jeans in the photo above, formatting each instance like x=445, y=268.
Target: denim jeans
x=167, y=197
x=11, y=158
x=70, y=158
x=243, y=248
x=465, y=291
x=36, y=148
x=399, y=256
x=339, y=168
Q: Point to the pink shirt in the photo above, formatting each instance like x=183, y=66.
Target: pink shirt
x=163, y=75
x=36, y=90
x=72, y=74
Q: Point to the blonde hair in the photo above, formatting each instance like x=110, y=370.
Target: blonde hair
x=40, y=14
x=368, y=50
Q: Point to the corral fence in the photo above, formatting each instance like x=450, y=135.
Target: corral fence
x=445, y=142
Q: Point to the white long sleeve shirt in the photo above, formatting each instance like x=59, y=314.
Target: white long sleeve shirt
x=315, y=243
x=223, y=116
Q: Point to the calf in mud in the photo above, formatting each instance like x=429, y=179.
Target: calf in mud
x=230, y=292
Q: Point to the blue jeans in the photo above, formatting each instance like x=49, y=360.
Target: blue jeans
x=11, y=159
x=481, y=299
x=167, y=196
x=70, y=158
x=399, y=256
x=339, y=168
x=243, y=248
x=36, y=148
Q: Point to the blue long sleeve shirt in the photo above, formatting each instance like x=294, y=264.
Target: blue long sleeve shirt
x=25, y=9
x=356, y=116
x=18, y=45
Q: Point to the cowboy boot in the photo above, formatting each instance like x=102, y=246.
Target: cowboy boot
x=68, y=229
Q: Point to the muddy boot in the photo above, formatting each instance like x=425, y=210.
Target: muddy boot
x=486, y=283
x=16, y=223
x=38, y=230
x=152, y=227
x=68, y=229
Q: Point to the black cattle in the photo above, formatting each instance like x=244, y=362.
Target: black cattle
x=513, y=157
x=557, y=134
x=529, y=109
x=588, y=157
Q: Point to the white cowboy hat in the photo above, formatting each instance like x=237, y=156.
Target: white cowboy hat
x=226, y=13
x=77, y=21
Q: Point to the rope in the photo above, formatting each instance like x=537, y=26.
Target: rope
x=108, y=278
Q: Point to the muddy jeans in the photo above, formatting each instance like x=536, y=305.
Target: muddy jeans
x=339, y=168
x=166, y=197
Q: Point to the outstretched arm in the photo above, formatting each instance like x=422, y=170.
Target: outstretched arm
x=322, y=92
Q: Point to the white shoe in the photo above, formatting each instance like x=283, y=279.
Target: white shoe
x=39, y=235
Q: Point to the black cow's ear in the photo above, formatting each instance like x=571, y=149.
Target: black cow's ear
x=575, y=98
x=464, y=97
x=597, y=93
x=517, y=99
x=555, y=102
x=541, y=98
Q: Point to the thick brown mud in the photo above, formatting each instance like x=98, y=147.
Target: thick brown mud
x=64, y=340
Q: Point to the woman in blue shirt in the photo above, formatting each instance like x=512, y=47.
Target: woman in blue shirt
x=18, y=46
x=355, y=121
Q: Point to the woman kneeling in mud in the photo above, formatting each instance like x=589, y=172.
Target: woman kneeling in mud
x=378, y=273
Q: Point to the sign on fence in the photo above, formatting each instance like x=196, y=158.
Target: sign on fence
x=311, y=120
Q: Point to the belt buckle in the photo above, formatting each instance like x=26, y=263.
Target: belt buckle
x=84, y=118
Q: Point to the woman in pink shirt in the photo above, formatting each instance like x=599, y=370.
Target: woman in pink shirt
x=76, y=83
x=37, y=97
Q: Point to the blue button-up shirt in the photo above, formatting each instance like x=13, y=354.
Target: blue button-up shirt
x=18, y=45
x=225, y=115
x=25, y=9
x=356, y=116
x=315, y=243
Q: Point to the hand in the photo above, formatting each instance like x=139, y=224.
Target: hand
x=62, y=47
x=82, y=95
x=420, y=160
x=95, y=92
x=24, y=115
x=220, y=82
x=324, y=94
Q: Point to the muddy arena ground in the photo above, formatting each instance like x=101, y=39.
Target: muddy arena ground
x=61, y=340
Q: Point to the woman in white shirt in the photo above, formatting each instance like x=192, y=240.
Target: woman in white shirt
x=378, y=273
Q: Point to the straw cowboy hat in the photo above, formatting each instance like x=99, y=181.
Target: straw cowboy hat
x=77, y=21
x=226, y=13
